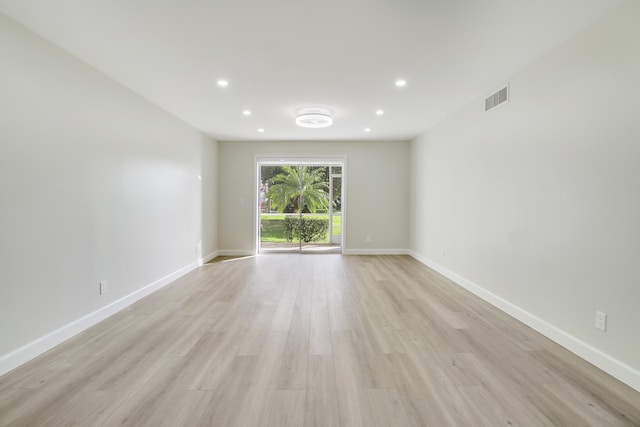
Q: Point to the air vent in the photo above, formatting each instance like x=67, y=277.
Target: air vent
x=497, y=98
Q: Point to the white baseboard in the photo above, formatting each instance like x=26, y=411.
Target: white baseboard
x=243, y=252
x=375, y=252
x=612, y=366
x=35, y=348
x=235, y=252
x=205, y=259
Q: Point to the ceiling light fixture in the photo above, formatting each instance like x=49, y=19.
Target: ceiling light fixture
x=246, y=112
x=367, y=129
x=314, y=118
x=261, y=130
x=223, y=83
x=379, y=112
x=401, y=83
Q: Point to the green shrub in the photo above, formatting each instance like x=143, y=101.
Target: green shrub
x=289, y=225
x=311, y=229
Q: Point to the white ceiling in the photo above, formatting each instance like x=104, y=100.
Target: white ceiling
x=283, y=55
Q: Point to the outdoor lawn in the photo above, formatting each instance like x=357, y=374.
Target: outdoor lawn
x=273, y=227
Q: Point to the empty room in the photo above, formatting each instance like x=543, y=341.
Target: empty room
x=340, y=213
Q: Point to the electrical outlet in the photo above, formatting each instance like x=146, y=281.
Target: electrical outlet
x=103, y=287
x=601, y=320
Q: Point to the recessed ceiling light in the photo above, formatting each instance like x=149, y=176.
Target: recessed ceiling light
x=379, y=112
x=246, y=112
x=260, y=130
x=223, y=83
x=401, y=83
x=367, y=129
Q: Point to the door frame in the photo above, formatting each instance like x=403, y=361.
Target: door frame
x=271, y=160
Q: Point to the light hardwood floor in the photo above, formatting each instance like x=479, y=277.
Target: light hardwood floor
x=313, y=340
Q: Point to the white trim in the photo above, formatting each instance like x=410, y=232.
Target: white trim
x=308, y=160
x=612, y=366
x=35, y=348
x=376, y=252
x=235, y=252
x=208, y=257
x=257, y=213
x=285, y=160
x=344, y=203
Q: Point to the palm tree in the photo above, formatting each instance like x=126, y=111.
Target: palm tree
x=296, y=184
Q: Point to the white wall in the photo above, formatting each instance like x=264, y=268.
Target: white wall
x=95, y=184
x=208, y=171
x=538, y=201
x=377, y=190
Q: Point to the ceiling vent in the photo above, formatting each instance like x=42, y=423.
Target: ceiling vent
x=497, y=98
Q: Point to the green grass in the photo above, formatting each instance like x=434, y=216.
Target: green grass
x=272, y=227
x=337, y=224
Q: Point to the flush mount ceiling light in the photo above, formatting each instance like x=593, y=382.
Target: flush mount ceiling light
x=314, y=118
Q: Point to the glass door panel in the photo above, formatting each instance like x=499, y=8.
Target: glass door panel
x=300, y=208
x=315, y=218
x=278, y=216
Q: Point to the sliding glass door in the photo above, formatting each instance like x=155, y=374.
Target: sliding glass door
x=300, y=206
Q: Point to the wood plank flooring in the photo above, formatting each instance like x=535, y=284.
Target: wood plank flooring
x=313, y=340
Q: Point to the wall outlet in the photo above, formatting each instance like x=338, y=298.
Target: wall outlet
x=103, y=287
x=601, y=320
